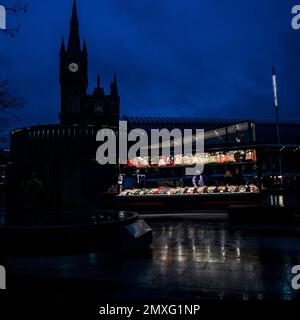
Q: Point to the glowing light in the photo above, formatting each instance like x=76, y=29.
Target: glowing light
x=275, y=88
x=281, y=201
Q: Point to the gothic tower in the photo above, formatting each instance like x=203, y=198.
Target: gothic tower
x=76, y=106
x=73, y=74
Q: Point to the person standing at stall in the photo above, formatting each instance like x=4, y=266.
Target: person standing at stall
x=238, y=178
x=120, y=182
x=228, y=178
x=34, y=194
x=198, y=180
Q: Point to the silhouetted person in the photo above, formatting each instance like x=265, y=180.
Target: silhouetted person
x=34, y=194
x=267, y=183
x=228, y=179
x=238, y=178
x=120, y=183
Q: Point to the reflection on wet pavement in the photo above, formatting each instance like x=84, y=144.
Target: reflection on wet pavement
x=190, y=259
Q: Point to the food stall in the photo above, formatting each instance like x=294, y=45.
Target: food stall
x=161, y=184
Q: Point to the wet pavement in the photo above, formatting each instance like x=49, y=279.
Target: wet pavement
x=191, y=258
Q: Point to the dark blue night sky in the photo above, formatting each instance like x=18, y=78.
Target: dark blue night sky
x=172, y=58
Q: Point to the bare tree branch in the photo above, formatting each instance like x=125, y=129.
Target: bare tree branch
x=16, y=10
x=8, y=97
x=12, y=32
x=9, y=102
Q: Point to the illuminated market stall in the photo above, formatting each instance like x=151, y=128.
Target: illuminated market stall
x=231, y=174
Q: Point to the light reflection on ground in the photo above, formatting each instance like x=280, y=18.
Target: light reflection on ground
x=190, y=259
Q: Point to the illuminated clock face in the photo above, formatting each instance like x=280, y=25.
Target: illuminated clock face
x=73, y=67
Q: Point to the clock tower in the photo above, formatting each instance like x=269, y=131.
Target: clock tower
x=78, y=107
x=73, y=75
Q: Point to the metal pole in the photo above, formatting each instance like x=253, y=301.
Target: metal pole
x=277, y=125
x=277, y=115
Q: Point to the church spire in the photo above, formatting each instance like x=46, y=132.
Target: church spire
x=84, y=47
x=74, y=12
x=114, y=87
x=62, y=47
x=74, y=39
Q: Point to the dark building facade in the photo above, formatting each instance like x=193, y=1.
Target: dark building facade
x=63, y=155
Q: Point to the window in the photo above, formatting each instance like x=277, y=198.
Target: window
x=99, y=107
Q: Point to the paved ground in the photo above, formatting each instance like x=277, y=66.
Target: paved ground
x=191, y=258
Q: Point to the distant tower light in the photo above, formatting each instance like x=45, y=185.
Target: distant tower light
x=277, y=118
x=275, y=87
x=274, y=80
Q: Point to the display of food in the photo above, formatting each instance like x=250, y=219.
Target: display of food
x=189, y=190
x=212, y=189
x=223, y=189
x=251, y=155
x=234, y=188
x=192, y=159
x=201, y=189
x=162, y=161
x=178, y=160
x=139, y=162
